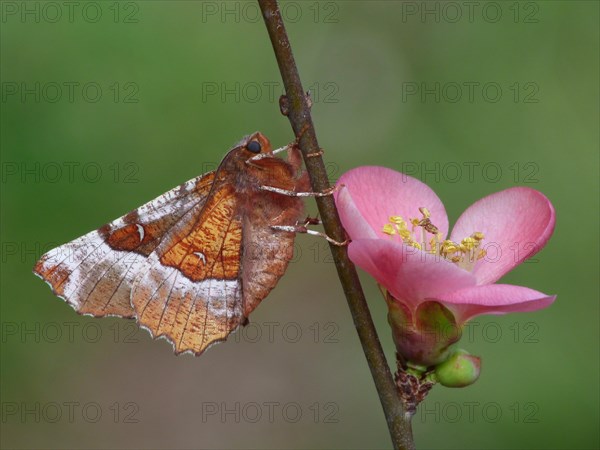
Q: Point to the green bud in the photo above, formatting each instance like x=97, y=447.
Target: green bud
x=459, y=370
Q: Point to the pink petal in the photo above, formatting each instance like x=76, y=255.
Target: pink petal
x=372, y=194
x=516, y=223
x=354, y=223
x=494, y=299
x=410, y=275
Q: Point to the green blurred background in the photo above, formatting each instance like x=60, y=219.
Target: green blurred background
x=160, y=90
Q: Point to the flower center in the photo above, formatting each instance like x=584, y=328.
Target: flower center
x=425, y=236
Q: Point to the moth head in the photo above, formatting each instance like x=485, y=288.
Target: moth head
x=256, y=143
x=254, y=146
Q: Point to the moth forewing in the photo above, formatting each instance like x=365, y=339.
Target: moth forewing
x=192, y=264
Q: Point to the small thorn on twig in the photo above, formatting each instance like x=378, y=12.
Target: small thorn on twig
x=284, y=105
x=309, y=102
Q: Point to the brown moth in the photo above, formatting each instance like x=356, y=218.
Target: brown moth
x=192, y=264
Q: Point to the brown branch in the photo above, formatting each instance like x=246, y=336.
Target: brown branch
x=301, y=121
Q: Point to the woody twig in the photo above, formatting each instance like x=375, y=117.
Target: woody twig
x=298, y=112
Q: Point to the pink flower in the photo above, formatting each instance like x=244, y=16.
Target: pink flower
x=398, y=227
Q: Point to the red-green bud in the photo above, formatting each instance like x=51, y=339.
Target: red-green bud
x=422, y=337
x=459, y=370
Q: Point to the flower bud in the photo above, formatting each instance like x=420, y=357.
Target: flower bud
x=422, y=337
x=459, y=370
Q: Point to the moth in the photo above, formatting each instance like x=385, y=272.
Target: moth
x=191, y=265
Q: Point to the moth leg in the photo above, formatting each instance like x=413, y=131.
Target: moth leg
x=311, y=221
x=270, y=154
x=303, y=229
x=315, y=154
x=299, y=135
x=297, y=143
x=281, y=149
x=325, y=193
x=250, y=161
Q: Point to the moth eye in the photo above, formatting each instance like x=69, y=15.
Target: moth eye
x=253, y=146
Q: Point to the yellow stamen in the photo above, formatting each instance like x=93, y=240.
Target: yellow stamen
x=405, y=235
x=448, y=247
x=464, y=254
x=415, y=245
x=389, y=229
x=469, y=243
